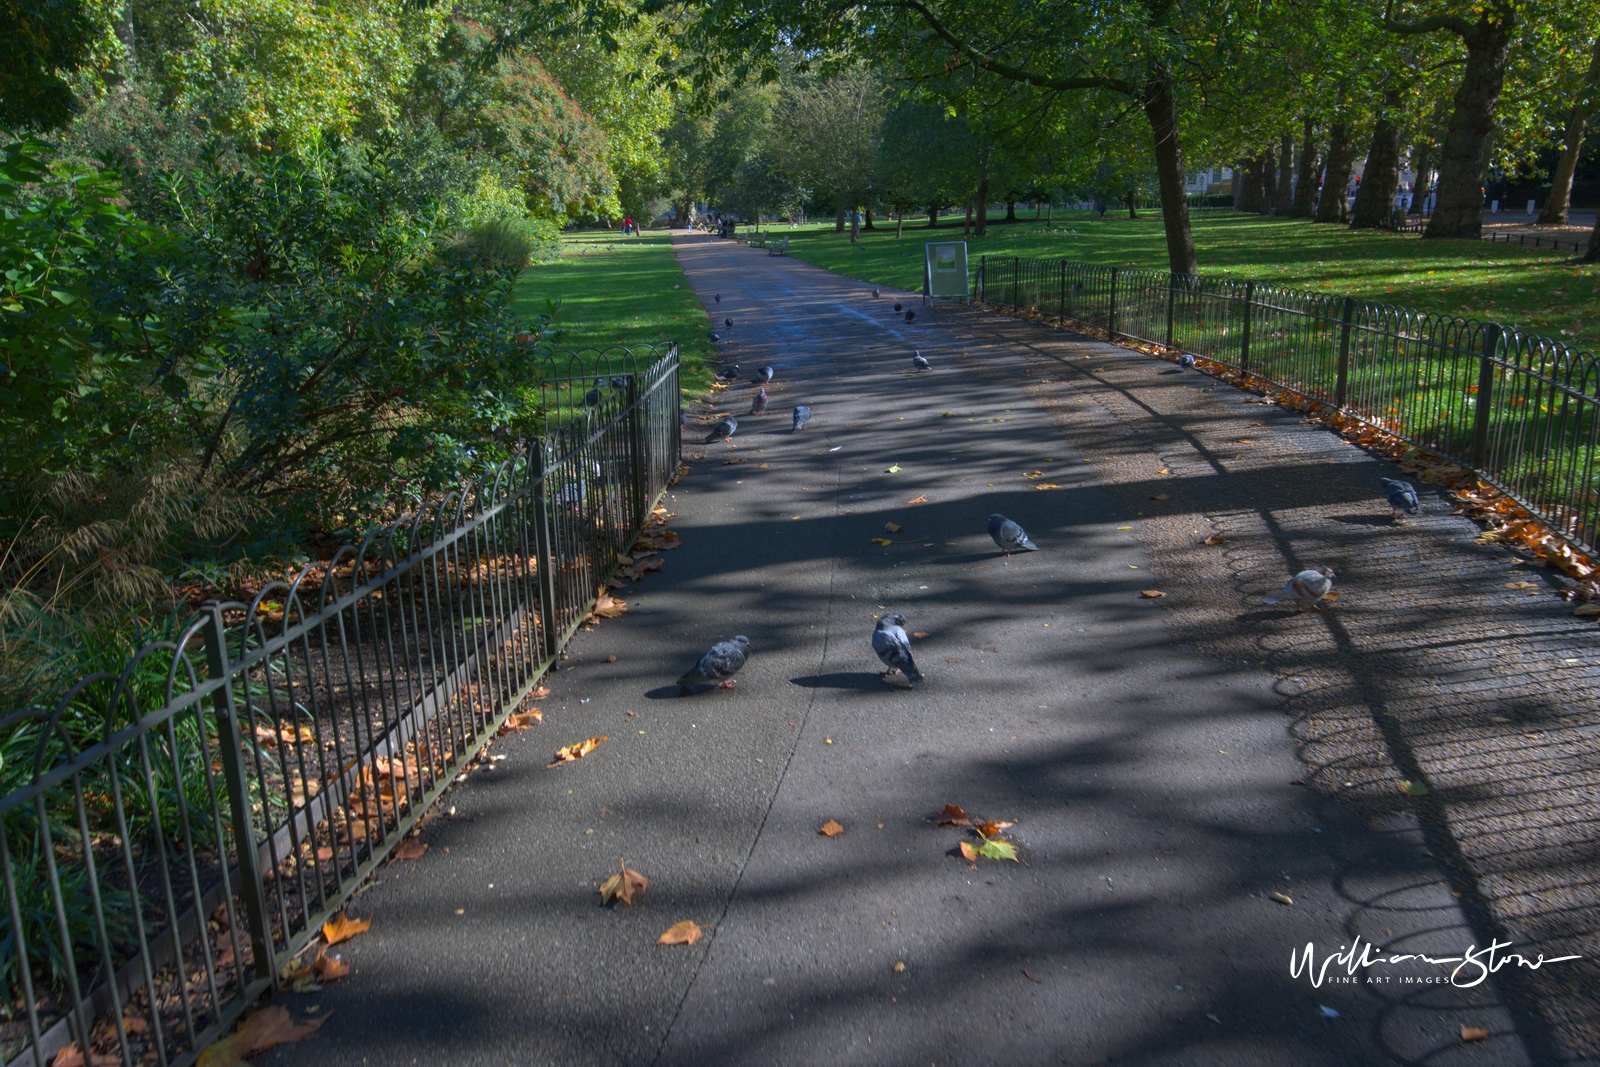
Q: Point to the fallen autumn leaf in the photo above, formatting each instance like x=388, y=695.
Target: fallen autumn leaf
x=1216, y=539
x=917, y=500
x=341, y=928
x=1474, y=1033
x=410, y=849
x=568, y=753
x=1151, y=594
x=893, y=527
x=952, y=816
x=831, y=828
x=1281, y=898
x=622, y=886
x=684, y=933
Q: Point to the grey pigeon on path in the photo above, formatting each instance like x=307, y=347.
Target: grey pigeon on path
x=911, y=316
x=874, y=292
x=728, y=323
x=758, y=406
x=715, y=336
x=1009, y=536
x=1402, y=497
x=920, y=362
x=1305, y=589
x=719, y=665
x=1186, y=361
x=729, y=374
x=592, y=397
x=723, y=429
x=762, y=376
x=897, y=305
x=890, y=642
x=802, y=415
x=718, y=298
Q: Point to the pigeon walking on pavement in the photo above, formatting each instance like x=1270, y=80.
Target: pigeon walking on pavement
x=897, y=305
x=762, y=376
x=1402, y=497
x=875, y=292
x=1186, y=361
x=723, y=429
x=802, y=415
x=728, y=323
x=1009, y=536
x=729, y=374
x=890, y=642
x=911, y=316
x=919, y=361
x=717, y=666
x=718, y=298
x=758, y=406
x=715, y=336
x=1305, y=589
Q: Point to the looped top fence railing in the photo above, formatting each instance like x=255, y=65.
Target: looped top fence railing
x=1522, y=411
x=172, y=835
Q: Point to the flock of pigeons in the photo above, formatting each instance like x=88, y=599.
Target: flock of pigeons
x=889, y=639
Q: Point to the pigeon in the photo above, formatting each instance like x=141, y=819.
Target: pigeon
x=802, y=415
x=1186, y=361
x=728, y=323
x=715, y=336
x=1305, y=589
x=1009, y=536
x=911, y=316
x=875, y=293
x=890, y=642
x=728, y=374
x=591, y=399
x=920, y=362
x=1402, y=497
x=683, y=419
x=619, y=383
x=718, y=298
x=758, y=406
x=897, y=305
x=723, y=429
x=718, y=665
x=762, y=376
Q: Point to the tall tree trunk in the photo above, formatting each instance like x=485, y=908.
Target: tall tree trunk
x=855, y=225
x=1236, y=185
x=1269, y=181
x=1283, y=202
x=1037, y=208
x=1465, y=155
x=1253, y=194
x=1133, y=211
x=1049, y=220
x=867, y=224
x=1011, y=211
x=933, y=216
x=1305, y=182
x=1341, y=153
x=1422, y=159
x=966, y=230
x=899, y=223
x=1560, y=200
x=839, y=219
x=983, y=202
x=1161, y=110
x=1380, y=181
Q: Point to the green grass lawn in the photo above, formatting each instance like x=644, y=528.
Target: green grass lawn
x=616, y=291
x=1543, y=292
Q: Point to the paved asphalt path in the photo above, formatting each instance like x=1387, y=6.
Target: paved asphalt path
x=1156, y=793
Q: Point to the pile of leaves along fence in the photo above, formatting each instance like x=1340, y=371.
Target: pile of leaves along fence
x=176, y=833
x=1521, y=411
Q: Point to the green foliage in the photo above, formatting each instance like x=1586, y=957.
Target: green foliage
x=42, y=38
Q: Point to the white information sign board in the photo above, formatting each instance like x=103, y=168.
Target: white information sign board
x=945, y=273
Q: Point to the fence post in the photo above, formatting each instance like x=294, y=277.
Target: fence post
x=1111, y=315
x=983, y=262
x=1061, y=305
x=1172, y=291
x=636, y=461
x=550, y=626
x=1244, y=345
x=1016, y=269
x=230, y=745
x=1486, y=375
x=1344, y=351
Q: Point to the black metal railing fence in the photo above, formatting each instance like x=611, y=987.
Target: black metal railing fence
x=175, y=833
x=1521, y=411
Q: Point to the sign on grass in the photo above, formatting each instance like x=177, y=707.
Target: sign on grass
x=946, y=269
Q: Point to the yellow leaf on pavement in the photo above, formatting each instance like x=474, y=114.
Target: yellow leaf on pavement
x=684, y=933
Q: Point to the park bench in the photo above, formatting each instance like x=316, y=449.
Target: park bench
x=779, y=248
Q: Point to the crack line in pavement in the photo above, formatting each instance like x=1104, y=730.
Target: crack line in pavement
x=800, y=729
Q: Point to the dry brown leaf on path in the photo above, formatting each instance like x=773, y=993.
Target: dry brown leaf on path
x=522, y=720
x=1151, y=594
x=1216, y=539
x=952, y=816
x=1046, y=485
x=260, y=1030
x=606, y=607
x=1160, y=496
x=919, y=633
x=990, y=828
x=831, y=828
x=969, y=853
x=1588, y=609
x=410, y=849
x=684, y=933
x=568, y=753
x=1474, y=1033
x=341, y=928
x=539, y=693
x=1281, y=898
x=330, y=968
x=917, y=500
x=623, y=885
x=72, y=1056
x=893, y=527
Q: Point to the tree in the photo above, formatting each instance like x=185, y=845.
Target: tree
x=1381, y=178
x=1558, y=203
x=39, y=40
x=828, y=132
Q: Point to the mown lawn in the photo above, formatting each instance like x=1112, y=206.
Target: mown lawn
x=1543, y=292
x=620, y=292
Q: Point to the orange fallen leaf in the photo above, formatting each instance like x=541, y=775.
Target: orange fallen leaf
x=1151, y=594
x=622, y=886
x=539, y=693
x=340, y=928
x=606, y=606
x=919, y=633
x=1216, y=539
x=1047, y=485
x=684, y=933
x=1474, y=1033
x=410, y=849
x=568, y=753
x=989, y=827
x=259, y=1031
x=970, y=853
x=324, y=853
x=330, y=968
x=830, y=829
x=917, y=500
x=72, y=1056
x=522, y=720
x=952, y=816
